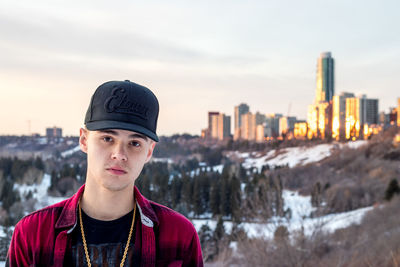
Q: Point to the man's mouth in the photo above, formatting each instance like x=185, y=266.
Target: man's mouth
x=116, y=170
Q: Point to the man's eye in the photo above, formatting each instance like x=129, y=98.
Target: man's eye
x=107, y=139
x=135, y=144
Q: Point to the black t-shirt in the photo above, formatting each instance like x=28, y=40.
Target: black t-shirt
x=106, y=241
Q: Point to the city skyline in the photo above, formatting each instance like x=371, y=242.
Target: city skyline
x=195, y=58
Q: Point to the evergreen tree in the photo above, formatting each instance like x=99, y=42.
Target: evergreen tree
x=9, y=195
x=197, y=203
x=187, y=191
x=215, y=200
x=219, y=231
x=176, y=191
x=225, y=195
x=207, y=242
x=392, y=189
x=39, y=163
x=53, y=180
x=235, y=199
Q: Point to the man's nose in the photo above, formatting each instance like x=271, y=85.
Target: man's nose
x=119, y=153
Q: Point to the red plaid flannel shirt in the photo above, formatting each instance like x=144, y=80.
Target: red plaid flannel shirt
x=42, y=237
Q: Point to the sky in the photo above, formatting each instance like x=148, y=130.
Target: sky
x=196, y=56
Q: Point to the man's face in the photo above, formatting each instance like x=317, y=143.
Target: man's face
x=115, y=157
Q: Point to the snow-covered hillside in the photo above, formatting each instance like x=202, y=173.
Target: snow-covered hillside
x=292, y=156
x=300, y=207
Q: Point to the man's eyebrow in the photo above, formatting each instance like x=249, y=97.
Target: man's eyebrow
x=135, y=135
x=109, y=132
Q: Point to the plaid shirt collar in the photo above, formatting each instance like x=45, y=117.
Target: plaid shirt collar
x=68, y=217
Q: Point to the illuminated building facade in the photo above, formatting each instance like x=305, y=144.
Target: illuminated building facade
x=353, y=118
x=248, y=128
x=398, y=111
x=224, y=126
x=238, y=112
x=300, y=130
x=208, y=131
x=286, y=125
x=250, y=121
x=325, y=78
x=361, y=113
x=392, y=116
x=214, y=126
x=319, y=115
x=260, y=133
x=319, y=120
x=339, y=115
x=220, y=126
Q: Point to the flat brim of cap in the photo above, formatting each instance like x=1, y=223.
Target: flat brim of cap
x=104, y=125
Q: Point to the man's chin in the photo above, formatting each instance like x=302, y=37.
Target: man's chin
x=118, y=187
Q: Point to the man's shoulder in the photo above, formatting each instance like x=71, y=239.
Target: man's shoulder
x=38, y=218
x=48, y=216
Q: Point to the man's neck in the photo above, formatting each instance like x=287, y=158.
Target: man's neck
x=106, y=205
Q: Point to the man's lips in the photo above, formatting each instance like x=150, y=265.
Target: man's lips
x=116, y=170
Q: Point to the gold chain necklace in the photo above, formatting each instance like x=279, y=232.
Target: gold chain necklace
x=84, y=240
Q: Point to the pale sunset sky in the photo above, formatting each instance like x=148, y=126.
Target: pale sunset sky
x=196, y=56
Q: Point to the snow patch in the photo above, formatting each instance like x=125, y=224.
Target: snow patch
x=166, y=160
x=70, y=151
x=39, y=192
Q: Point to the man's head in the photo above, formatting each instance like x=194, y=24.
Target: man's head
x=119, y=134
x=123, y=105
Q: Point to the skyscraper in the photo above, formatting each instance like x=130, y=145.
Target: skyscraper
x=220, y=126
x=360, y=112
x=239, y=111
x=272, y=125
x=325, y=78
x=339, y=115
x=319, y=120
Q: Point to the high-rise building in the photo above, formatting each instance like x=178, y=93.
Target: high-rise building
x=319, y=120
x=398, y=111
x=325, y=78
x=220, y=126
x=300, y=130
x=248, y=127
x=370, y=110
x=207, y=132
x=238, y=112
x=210, y=115
x=339, y=115
x=224, y=126
x=286, y=125
x=272, y=125
x=53, y=132
x=214, y=126
x=361, y=112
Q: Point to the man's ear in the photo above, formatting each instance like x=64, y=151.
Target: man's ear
x=150, y=152
x=83, y=133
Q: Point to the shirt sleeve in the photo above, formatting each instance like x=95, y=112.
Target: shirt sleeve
x=18, y=253
x=194, y=256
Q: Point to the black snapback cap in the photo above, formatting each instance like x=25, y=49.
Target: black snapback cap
x=123, y=105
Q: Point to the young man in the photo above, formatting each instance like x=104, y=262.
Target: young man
x=108, y=222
